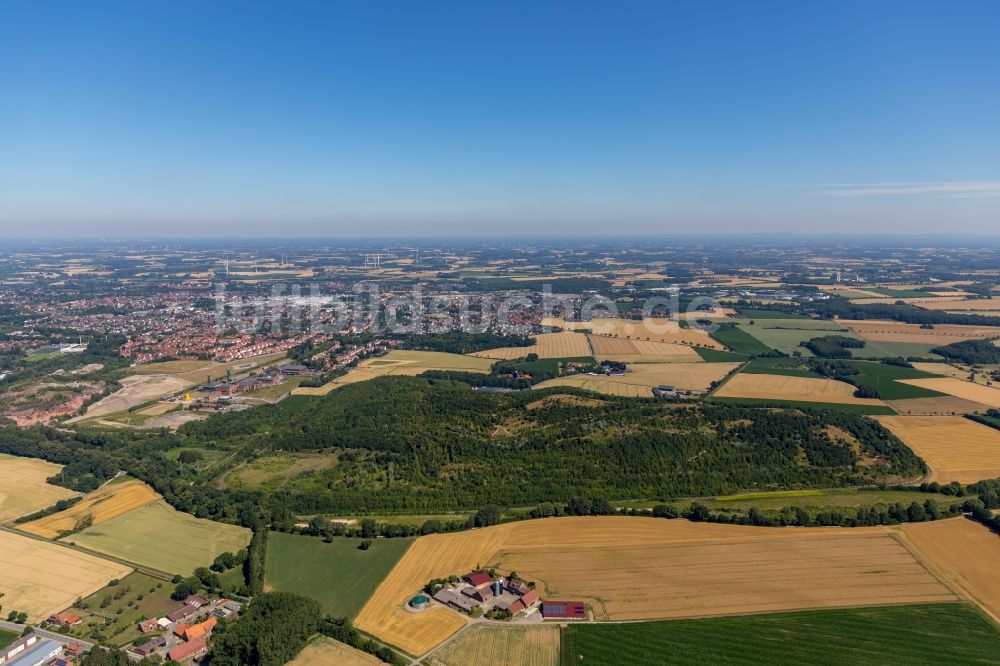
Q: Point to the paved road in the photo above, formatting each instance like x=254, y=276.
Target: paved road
x=45, y=633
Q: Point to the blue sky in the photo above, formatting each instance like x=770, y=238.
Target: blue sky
x=440, y=118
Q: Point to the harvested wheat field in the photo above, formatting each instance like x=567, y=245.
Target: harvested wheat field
x=23, y=488
x=944, y=405
x=400, y=362
x=565, y=344
x=501, y=645
x=429, y=557
x=652, y=330
x=949, y=370
x=962, y=553
x=41, y=578
x=941, y=334
x=988, y=305
x=646, y=568
x=323, y=650
x=954, y=448
x=105, y=503
x=639, y=380
x=961, y=389
x=607, y=348
x=782, y=387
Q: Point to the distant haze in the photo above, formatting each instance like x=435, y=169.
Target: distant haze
x=330, y=119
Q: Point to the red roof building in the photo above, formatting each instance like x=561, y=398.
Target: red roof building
x=529, y=597
x=186, y=650
x=478, y=579
x=568, y=610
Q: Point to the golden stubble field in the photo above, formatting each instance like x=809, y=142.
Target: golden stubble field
x=41, y=578
x=502, y=645
x=23, y=488
x=565, y=344
x=954, y=448
x=959, y=388
x=400, y=362
x=631, y=568
x=941, y=334
x=639, y=379
x=653, y=330
x=963, y=553
x=641, y=351
x=105, y=503
x=783, y=387
x=323, y=650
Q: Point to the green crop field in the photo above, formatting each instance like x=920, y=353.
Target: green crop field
x=870, y=410
x=6, y=638
x=162, y=538
x=924, y=634
x=787, y=334
x=882, y=377
x=779, y=366
x=739, y=341
x=750, y=313
x=338, y=575
x=876, y=349
x=719, y=356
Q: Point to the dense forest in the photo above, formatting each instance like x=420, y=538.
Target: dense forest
x=418, y=444
x=971, y=352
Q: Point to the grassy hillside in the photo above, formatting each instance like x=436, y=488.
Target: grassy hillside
x=926, y=634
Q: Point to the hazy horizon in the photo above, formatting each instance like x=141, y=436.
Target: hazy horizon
x=315, y=120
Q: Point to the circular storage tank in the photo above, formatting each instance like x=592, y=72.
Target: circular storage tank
x=419, y=602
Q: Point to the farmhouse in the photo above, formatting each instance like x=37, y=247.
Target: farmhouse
x=200, y=630
x=185, y=611
x=147, y=626
x=187, y=650
x=664, y=391
x=150, y=647
x=478, y=579
x=517, y=586
x=479, y=594
x=64, y=619
x=566, y=610
x=452, y=598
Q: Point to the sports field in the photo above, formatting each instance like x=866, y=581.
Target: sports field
x=954, y=448
x=919, y=634
x=962, y=552
x=566, y=344
x=23, y=488
x=105, y=503
x=641, y=351
x=629, y=568
x=401, y=362
x=162, y=538
x=501, y=645
x=338, y=575
x=42, y=578
x=323, y=650
x=639, y=379
x=785, y=387
x=960, y=389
